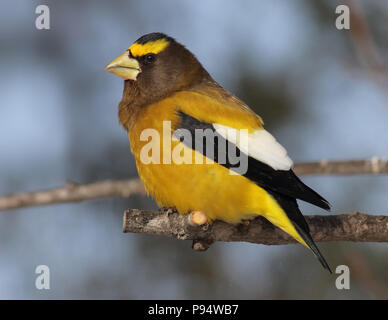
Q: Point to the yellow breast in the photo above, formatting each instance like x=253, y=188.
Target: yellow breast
x=190, y=185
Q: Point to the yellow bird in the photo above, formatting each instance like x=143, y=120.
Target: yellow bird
x=200, y=148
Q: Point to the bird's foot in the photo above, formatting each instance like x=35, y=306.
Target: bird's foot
x=198, y=218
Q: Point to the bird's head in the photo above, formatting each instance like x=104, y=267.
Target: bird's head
x=158, y=65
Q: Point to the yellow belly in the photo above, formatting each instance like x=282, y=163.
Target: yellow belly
x=206, y=187
x=191, y=186
x=212, y=189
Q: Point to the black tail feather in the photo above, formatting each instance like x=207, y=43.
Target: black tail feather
x=290, y=207
x=310, y=242
x=311, y=196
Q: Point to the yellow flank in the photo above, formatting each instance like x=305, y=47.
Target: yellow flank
x=205, y=187
x=278, y=217
x=155, y=47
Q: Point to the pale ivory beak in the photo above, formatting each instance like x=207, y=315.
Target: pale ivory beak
x=124, y=67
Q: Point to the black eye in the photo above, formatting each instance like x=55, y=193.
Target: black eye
x=149, y=58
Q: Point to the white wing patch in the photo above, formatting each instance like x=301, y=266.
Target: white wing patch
x=259, y=144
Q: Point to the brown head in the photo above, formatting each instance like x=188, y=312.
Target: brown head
x=154, y=67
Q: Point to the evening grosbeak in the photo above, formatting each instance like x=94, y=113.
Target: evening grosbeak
x=168, y=100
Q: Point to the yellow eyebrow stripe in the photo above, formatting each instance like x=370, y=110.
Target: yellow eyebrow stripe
x=155, y=47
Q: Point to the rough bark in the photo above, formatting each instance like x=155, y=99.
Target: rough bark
x=355, y=226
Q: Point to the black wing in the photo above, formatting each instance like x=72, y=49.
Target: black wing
x=282, y=182
x=284, y=186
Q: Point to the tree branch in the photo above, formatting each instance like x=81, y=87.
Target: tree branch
x=374, y=165
x=343, y=227
x=72, y=192
x=124, y=188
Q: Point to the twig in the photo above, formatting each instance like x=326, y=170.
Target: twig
x=124, y=188
x=73, y=193
x=374, y=165
x=364, y=275
x=343, y=227
x=362, y=38
x=365, y=46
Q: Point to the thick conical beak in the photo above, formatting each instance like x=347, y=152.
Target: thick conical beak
x=124, y=67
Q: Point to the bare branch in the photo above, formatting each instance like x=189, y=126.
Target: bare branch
x=73, y=193
x=343, y=227
x=124, y=188
x=374, y=165
x=365, y=46
x=362, y=38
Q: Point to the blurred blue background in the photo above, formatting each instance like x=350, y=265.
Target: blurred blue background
x=320, y=94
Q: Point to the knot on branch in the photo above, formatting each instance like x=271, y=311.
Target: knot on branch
x=343, y=227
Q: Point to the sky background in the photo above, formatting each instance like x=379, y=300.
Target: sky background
x=318, y=93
